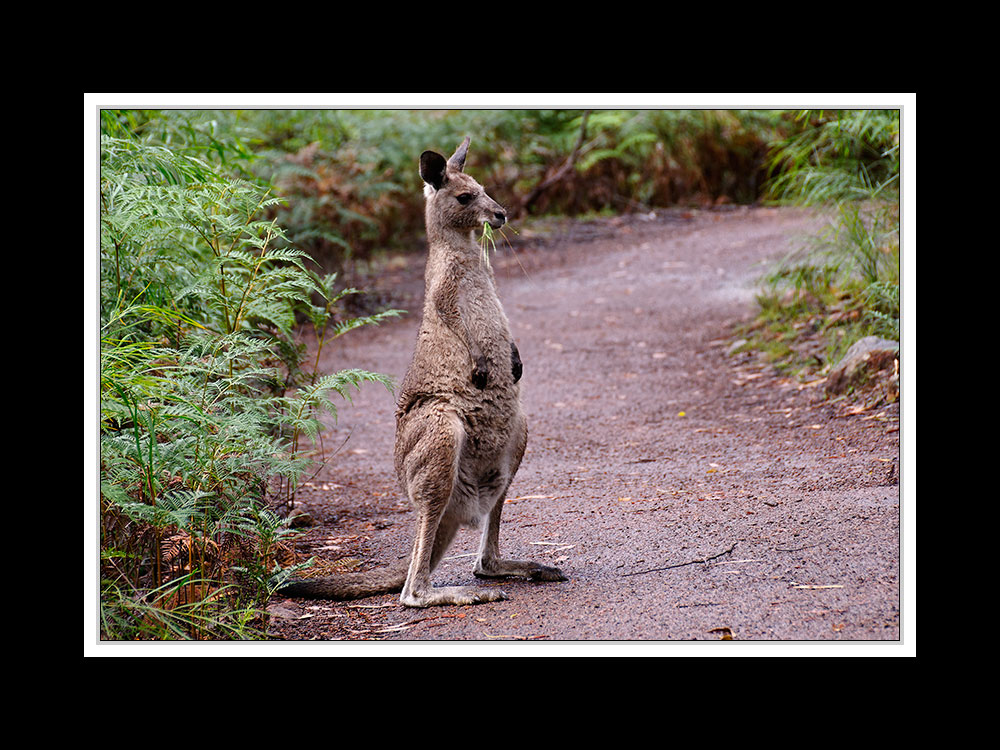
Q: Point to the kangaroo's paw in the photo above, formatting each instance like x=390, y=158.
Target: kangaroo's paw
x=460, y=595
x=533, y=571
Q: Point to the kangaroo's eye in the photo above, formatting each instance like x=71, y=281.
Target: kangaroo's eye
x=465, y=198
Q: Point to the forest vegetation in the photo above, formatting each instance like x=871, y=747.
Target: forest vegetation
x=224, y=233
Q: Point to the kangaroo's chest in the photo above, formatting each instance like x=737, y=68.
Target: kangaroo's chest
x=480, y=307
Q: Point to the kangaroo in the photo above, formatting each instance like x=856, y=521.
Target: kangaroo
x=460, y=429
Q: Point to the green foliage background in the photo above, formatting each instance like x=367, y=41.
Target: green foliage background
x=352, y=190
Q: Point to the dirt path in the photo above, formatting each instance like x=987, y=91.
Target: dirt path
x=650, y=449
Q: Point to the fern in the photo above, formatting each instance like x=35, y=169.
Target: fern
x=204, y=397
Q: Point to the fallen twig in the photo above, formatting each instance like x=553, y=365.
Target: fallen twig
x=681, y=565
x=818, y=586
x=797, y=549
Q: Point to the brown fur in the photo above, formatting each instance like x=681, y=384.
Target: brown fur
x=460, y=430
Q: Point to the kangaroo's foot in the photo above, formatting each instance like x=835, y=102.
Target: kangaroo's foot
x=460, y=595
x=533, y=571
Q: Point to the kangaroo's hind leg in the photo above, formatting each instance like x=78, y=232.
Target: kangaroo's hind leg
x=429, y=447
x=490, y=564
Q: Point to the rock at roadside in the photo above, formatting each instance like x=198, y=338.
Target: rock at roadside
x=865, y=357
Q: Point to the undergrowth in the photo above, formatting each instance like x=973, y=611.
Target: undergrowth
x=353, y=191
x=209, y=409
x=843, y=283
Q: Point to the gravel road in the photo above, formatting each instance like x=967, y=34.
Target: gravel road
x=689, y=494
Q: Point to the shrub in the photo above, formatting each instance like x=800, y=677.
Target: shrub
x=845, y=280
x=207, y=405
x=351, y=183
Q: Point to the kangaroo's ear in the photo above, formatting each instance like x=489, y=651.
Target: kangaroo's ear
x=432, y=169
x=457, y=160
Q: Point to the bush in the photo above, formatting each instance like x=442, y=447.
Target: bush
x=845, y=281
x=207, y=405
x=350, y=178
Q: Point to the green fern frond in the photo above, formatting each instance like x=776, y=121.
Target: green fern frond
x=203, y=396
x=344, y=326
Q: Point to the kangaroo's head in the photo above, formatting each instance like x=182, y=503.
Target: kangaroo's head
x=455, y=200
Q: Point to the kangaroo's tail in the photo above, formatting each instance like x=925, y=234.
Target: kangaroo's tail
x=349, y=585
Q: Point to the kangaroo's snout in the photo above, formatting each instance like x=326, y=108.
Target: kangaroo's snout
x=500, y=218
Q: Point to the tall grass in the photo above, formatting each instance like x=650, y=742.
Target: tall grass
x=208, y=407
x=845, y=280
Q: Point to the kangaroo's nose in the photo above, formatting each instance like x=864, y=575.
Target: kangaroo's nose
x=501, y=216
